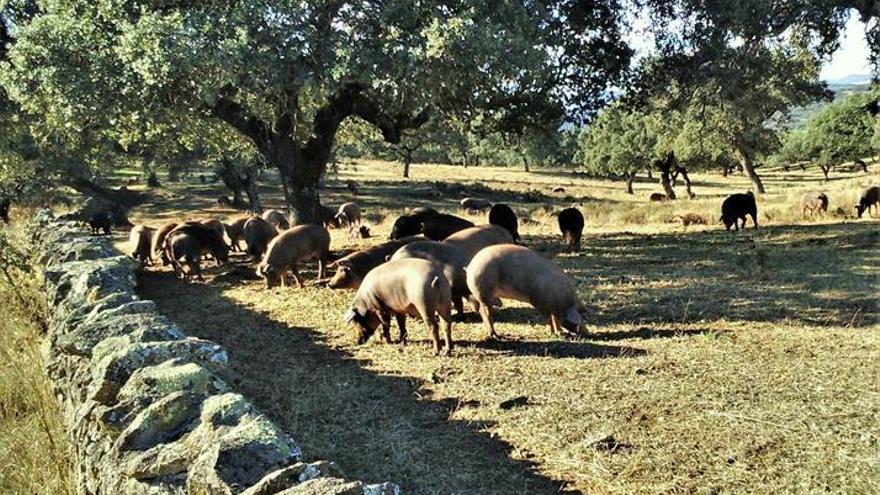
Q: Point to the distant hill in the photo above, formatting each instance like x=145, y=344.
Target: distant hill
x=854, y=83
x=850, y=79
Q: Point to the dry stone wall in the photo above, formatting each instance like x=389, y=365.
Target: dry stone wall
x=144, y=408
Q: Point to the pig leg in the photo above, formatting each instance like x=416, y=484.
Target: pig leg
x=385, y=320
x=555, y=327
x=401, y=325
x=435, y=333
x=321, y=267
x=295, y=272
x=486, y=314
x=446, y=316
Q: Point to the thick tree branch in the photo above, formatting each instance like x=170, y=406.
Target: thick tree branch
x=238, y=117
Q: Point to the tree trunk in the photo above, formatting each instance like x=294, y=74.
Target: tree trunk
x=407, y=158
x=252, y=190
x=687, y=181
x=745, y=160
x=630, y=177
x=825, y=170
x=300, y=176
x=526, y=164
x=665, y=167
x=650, y=173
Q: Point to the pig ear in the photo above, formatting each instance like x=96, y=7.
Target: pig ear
x=387, y=257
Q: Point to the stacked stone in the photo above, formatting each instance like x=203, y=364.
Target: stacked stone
x=143, y=405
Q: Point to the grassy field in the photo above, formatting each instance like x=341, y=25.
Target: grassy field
x=34, y=457
x=715, y=362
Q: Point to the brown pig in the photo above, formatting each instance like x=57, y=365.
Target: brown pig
x=210, y=241
x=514, y=272
x=235, y=231
x=277, y=219
x=473, y=239
x=403, y=287
x=451, y=258
x=296, y=244
x=217, y=226
x=186, y=248
x=159, y=241
x=257, y=235
x=351, y=269
x=140, y=238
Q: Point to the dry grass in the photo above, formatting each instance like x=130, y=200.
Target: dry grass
x=715, y=363
x=34, y=457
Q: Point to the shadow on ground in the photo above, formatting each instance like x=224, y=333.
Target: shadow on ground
x=821, y=274
x=376, y=427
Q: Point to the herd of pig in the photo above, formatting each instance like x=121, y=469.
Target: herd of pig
x=431, y=264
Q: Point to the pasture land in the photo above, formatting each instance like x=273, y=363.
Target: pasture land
x=714, y=362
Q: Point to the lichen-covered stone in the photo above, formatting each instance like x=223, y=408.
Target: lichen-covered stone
x=142, y=403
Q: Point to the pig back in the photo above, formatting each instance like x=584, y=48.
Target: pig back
x=296, y=244
x=405, y=284
x=451, y=258
x=516, y=272
x=440, y=226
x=474, y=239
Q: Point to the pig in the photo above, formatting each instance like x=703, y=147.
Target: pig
x=814, y=202
x=658, y=197
x=140, y=238
x=514, y=272
x=503, y=216
x=410, y=224
x=473, y=239
x=571, y=224
x=440, y=226
x=352, y=187
x=352, y=269
x=327, y=216
x=217, y=226
x=348, y=215
x=159, y=241
x=478, y=204
x=289, y=248
x=689, y=219
x=559, y=190
x=257, y=235
x=184, y=247
x=235, y=231
x=209, y=240
x=450, y=257
x=358, y=232
x=100, y=222
x=276, y=218
x=403, y=287
x=405, y=226
x=869, y=197
x=735, y=208
x=423, y=212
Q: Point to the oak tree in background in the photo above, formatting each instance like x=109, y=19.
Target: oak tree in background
x=840, y=132
x=286, y=74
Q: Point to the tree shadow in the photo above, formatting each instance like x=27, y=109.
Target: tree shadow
x=819, y=274
x=377, y=427
x=555, y=349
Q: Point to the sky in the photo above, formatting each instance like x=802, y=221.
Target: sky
x=852, y=57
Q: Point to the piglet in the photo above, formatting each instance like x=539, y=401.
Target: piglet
x=510, y=271
x=404, y=287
